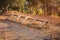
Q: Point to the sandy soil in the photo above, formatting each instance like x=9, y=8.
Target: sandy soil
x=15, y=31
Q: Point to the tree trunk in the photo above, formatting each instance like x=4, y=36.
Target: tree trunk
x=44, y=8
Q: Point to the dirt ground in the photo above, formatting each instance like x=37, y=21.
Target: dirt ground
x=15, y=31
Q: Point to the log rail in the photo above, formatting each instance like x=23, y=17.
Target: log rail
x=23, y=20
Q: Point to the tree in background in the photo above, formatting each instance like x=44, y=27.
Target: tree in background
x=13, y=4
x=17, y=4
x=49, y=6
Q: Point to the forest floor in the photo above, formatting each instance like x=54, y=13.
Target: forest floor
x=14, y=31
